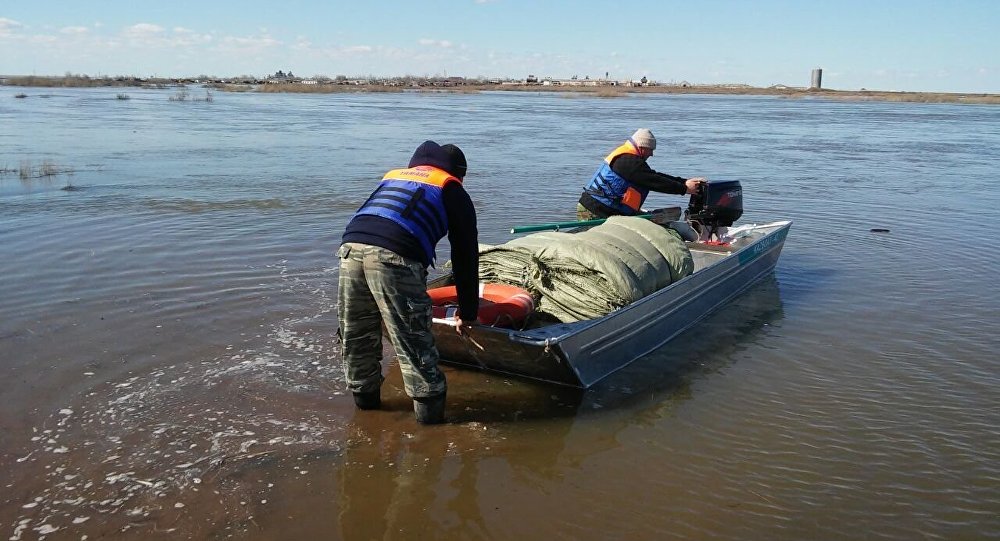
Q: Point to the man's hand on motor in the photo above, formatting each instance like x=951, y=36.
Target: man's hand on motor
x=692, y=185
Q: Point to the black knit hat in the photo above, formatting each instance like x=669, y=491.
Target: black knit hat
x=447, y=157
x=458, y=165
x=428, y=153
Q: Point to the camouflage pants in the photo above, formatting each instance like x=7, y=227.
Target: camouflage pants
x=378, y=286
x=582, y=214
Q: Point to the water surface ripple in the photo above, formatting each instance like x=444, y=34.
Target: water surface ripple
x=168, y=319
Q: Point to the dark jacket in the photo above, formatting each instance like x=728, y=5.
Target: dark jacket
x=463, y=234
x=635, y=170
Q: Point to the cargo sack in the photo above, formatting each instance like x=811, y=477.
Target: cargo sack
x=578, y=276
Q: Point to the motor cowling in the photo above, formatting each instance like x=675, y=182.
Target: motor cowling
x=717, y=203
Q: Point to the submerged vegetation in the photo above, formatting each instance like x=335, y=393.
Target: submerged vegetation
x=80, y=81
x=184, y=95
x=27, y=170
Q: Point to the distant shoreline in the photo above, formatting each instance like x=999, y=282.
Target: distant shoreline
x=619, y=91
x=590, y=88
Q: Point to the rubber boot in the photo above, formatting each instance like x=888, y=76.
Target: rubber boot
x=368, y=401
x=429, y=410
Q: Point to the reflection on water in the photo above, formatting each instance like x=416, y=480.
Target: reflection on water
x=167, y=331
x=187, y=205
x=710, y=346
x=413, y=474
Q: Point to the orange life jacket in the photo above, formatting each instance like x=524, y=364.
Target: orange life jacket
x=611, y=189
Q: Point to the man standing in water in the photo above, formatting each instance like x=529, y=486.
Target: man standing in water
x=621, y=184
x=386, y=249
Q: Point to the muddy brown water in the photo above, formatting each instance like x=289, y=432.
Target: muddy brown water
x=167, y=328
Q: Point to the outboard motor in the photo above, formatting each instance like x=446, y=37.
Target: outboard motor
x=716, y=205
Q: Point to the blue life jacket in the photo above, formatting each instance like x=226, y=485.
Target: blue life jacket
x=413, y=199
x=611, y=190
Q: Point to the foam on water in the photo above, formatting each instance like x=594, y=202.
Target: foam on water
x=133, y=449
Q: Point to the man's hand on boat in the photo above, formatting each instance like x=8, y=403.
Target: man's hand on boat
x=461, y=325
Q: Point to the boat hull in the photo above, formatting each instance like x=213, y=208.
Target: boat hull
x=581, y=354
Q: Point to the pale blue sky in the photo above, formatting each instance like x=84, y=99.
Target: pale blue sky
x=913, y=45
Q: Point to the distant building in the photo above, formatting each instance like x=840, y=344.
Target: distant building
x=817, y=79
x=282, y=77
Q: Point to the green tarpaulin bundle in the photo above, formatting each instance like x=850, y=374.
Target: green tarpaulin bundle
x=577, y=276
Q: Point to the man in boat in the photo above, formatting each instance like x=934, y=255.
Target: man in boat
x=621, y=184
x=386, y=249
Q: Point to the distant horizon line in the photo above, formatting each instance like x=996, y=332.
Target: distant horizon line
x=530, y=80
x=354, y=77
x=372, y=79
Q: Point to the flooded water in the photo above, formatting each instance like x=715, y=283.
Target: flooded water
x=170, y=367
